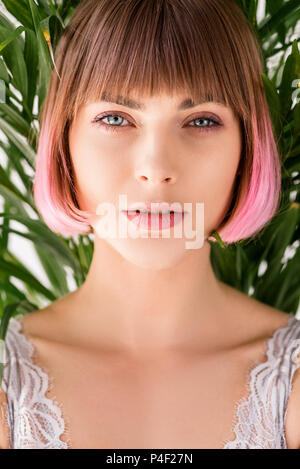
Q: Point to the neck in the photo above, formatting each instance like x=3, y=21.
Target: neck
x=138, y=310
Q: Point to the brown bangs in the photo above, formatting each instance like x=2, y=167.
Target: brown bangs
x=147, y=51
x=205, y=50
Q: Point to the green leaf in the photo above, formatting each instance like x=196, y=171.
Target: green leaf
x=4, y=237
x=12, y=293
x=288, y=280
x=31, y=60
x=19, y=9
x=270, y=25
x=66, y=8
x=13, y=201
x=5, y=317
x=44, y=7
x=22, y=145
x=273, y=103
x=54, y=271
x=273, y=6
x=3, y=71
x=46, y=239
x=293, y=162
x=13, y=56
x=296, y=115
x=56, y=30
x=21, y=272
x=291, y=72
x=45, y=62
x=11, y=37
x=216, y=235
x=223, y=262
x=4, y=21
x=252, y=12
x=5, y=182
x=286, y=224
x=241, y=263
x=14, y=119
x=15, y=159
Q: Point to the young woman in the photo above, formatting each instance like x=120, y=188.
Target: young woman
x=159, y=102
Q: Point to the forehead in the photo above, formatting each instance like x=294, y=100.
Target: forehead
x=171, y=101
x=159, y=104
x=180, y=100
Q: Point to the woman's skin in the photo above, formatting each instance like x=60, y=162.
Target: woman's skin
x=154, y=294
x=145, y=345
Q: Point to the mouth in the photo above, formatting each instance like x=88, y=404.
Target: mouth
x=155, y=212
x=154, y=220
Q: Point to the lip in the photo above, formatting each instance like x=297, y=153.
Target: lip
x=154, y=221
x=154, y=207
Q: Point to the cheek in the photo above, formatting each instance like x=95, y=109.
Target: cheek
x=218, y=162
x=96, y=170
x=217, y=173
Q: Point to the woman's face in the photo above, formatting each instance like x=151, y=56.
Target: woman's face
x=160, y=151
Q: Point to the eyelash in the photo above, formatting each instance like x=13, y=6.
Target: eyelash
x=114, y=128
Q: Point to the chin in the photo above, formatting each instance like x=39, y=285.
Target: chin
x=152, y=254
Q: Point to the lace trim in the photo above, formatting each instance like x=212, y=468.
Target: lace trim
x=4, y=415
x=240, y=407
x=291, y=386
x=250, y=400
x=47, y=381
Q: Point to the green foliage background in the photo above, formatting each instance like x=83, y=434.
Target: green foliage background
x=25, y=65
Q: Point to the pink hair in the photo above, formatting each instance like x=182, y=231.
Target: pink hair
x=57, y=208
x=258, y=202
x=88, y=65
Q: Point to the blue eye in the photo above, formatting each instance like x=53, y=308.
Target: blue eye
x=109, y=127
x=207, y=128
x=212, y=123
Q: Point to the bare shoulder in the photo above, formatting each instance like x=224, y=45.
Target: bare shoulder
x=47, y=323
x=258, y=319
x=251, y=322
x=251, y=316
x=292, y=427
x=4, y=426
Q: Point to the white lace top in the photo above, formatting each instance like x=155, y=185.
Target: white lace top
x=36, y=422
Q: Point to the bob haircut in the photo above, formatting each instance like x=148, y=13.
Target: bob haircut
x=207, y=48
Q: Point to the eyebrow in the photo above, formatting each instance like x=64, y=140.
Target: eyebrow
x=185, y=104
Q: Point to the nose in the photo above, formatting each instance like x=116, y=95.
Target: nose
x=153, y=177
x=155, y=166
x=155, y=173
